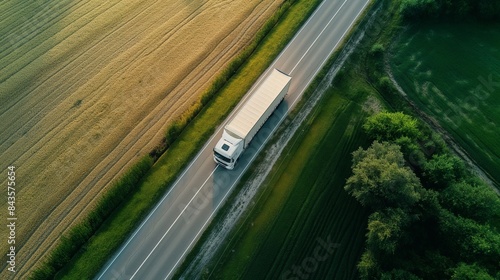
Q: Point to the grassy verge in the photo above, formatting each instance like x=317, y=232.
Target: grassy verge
x=197, y=123
x=455, y=80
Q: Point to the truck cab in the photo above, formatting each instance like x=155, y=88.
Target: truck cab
x=250, y=118
x=228, y=150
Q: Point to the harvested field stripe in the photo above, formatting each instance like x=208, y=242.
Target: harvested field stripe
x=69, y=62
x=52, y=99
x=45, y=45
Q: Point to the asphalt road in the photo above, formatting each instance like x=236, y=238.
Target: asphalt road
x=165, y=237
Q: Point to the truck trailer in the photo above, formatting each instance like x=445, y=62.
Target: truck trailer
x=246, y=123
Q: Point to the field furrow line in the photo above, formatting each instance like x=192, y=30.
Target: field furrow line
x=182, y=90
x=46, y=45
x=34, y=18
x=5, y=3
x=181, y=24
x=230, y=47
x=32, y=39
x=301, y=225
x=10, y=19
x=14, y=112
x=70, y=61
x=50, y=97
x=145, y=128
x=314, y=226
x=9, y=16
x=56, y=99
x=245, y=27
x=99, y=176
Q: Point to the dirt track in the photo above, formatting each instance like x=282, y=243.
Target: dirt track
x=86, y=88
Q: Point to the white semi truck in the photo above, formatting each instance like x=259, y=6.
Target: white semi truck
x=246, y=123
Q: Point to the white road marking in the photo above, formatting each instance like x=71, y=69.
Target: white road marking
x=333, y=49
x=172, y=225
x=319, y=35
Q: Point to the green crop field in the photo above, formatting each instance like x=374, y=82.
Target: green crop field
x=306, y=206
x=452, y=73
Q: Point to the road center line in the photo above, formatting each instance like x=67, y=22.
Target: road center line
x=319, y=35
x=172, y=225
x=333, y=49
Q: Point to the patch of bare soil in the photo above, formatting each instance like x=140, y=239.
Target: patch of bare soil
x=88, y=87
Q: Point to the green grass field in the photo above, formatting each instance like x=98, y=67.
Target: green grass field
x=305, y=203
x=452, y=72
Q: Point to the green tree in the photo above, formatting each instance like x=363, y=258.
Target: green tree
x=380, y=178
x=368, y=266
x=385, y=229
x=470, y=272
x=476, y=201
x=430, y=264
x=412, y=152
x=399, y=274
x=388, y=126
x=444, y=169
x=469, y=240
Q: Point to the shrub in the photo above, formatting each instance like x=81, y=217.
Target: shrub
x=388, y=126
x=475, y=201
x=443, y=170
x=377, y=49
x=368, y=266
x=466, y=271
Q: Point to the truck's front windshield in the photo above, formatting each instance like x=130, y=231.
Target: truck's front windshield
x=221, y=157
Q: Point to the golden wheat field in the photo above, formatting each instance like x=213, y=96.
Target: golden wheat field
x=88, y=87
